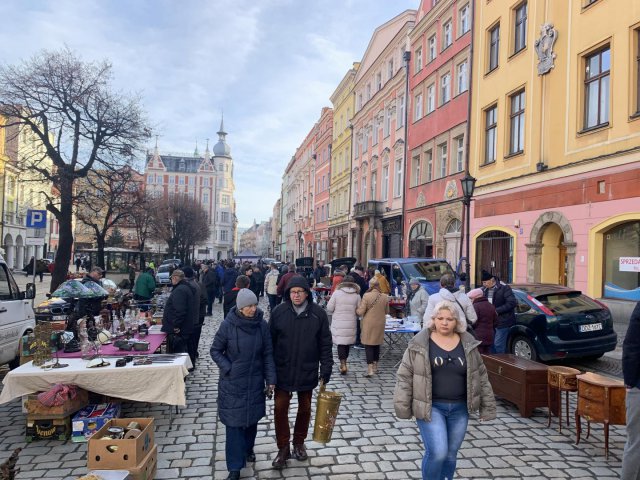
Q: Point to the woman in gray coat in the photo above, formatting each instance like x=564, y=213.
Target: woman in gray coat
x=442, y=380
x=342, y=307
x=417, y=299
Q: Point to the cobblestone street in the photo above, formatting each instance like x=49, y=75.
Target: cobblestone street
x=369, y=442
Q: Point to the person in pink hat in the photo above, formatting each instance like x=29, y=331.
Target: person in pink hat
x=484, y=328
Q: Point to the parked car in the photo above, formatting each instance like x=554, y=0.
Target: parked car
x=172, y=261
x=555, y=322
x=163, y=273
x=427, y=270
x=16, y=315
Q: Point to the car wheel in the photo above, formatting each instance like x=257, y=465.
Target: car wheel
x=523, y=347
x=15, y=363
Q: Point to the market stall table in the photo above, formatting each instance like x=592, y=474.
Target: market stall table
x=396, y=307
x=110, y=350
x=397, y=339
x=157, y=382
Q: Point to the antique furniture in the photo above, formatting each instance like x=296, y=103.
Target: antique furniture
x=519, y=381
x=601, y=399
x=563, y=379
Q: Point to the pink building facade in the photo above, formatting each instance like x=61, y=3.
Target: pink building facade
x=322, y=160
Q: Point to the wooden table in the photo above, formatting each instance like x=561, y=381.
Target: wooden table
x=562, y=379
x=601, y=399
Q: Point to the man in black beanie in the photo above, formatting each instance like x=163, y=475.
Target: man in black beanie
x=502, y=297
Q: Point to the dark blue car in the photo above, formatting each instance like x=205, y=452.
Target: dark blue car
x=555, y=322
x=427, y=270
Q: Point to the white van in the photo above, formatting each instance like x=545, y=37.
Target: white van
x=16, y=316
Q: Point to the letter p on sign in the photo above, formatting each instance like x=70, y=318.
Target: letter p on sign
x=36, y=218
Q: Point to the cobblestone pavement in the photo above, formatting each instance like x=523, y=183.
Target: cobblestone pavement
x=369, y=442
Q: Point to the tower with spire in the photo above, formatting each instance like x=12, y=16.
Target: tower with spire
x=206, y=178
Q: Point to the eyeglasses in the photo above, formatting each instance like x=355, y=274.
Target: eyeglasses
x=297, y=292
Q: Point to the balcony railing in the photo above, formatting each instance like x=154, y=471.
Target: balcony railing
x=367, y=209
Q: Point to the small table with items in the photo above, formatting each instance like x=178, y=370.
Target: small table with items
x=396, y=307
x=397, y=335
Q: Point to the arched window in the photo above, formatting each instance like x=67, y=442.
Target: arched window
x=421, y=239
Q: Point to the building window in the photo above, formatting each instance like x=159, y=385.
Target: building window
x=490, y=134
x=364, y=188
x=442, y=149
x=621, y=241
x=359, y=106
x=374, y=178
x=379, y=81
x=385, y=183
x=356, y=193
x=374, y=138
x=464, y=19
x=445, y=88
x=447, y=35
x=520, y=30
x=192, y=181
x=390, y=70
x=459, y=153
x=172, y=180
x=596, y=81
x=637, y=41
x=180, y=180
x=225, y=199
x=224, y=216
x=432, y=48
x=397, y=187
x=462, y=78
x=516, y=119
x=158, y=179
x=400, y=110
x=206, y=182
x=415, y=171
x=494, y=47
x=368, y=91
x=365, y=140
x=387, y=122
x=418, y=65
x=224, y=235
x=150, y=179
x=431, y=98
x=417, y=108
x=205, y=198
x=428, y=155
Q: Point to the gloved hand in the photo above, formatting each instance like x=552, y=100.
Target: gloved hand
x=325, y=378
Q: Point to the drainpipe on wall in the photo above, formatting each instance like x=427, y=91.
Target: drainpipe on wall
x=468, y=134
x=406, y=56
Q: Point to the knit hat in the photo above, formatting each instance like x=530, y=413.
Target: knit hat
x=245, y=298
x=475, y=293
x=414, y=281
x=188, y=272
x=484, y=276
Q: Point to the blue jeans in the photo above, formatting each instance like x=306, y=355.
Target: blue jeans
x=631, y=457
x=500, y=340
x=442, y=437
x=240, y=442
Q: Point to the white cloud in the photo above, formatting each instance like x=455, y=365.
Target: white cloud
x=271, y=65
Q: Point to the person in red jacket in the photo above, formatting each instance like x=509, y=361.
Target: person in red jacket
x=282, y=284
x=487, y=321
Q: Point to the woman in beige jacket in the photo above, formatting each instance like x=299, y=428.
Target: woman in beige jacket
x=441, y=380
x=373, y=309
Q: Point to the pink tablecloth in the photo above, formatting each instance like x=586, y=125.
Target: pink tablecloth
x=155, y=340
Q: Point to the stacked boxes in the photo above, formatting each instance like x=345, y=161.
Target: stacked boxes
x=91, y=419
x=138, y=455
x=49, y=423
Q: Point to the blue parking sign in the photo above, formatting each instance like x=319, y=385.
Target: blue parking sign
x=36, y=218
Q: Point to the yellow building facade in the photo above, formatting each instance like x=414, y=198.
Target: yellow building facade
x=555, y=144
x=343, y=101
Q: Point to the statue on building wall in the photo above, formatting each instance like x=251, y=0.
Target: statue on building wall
x=544, y=48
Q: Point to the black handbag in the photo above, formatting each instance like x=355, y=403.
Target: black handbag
x=176, y=343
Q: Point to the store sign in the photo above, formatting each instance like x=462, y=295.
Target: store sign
x=630, y=264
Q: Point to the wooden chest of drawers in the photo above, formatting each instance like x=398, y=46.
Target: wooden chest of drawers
x=520, y=381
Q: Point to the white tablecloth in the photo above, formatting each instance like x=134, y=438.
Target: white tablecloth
x=158, y=382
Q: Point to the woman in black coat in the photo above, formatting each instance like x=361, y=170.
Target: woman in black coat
x=243, y=351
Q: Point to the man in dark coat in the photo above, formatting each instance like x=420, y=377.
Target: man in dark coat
x=258, y=276
x=229, y=278
x=243, y=351
x=211, y=283
x=177, y=318
x=253, y=285
x=229, y=301
x=631, y=374
x=220, y=271
x=319, y=272
x=301, y=344
x=502, y=297
x=199, y=312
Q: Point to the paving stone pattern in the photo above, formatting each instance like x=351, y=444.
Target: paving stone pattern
x=369, y=442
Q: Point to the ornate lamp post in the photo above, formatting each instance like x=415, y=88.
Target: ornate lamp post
x=300, y=244
x=468, y=186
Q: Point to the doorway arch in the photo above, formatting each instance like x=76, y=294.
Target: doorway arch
x=551, y=252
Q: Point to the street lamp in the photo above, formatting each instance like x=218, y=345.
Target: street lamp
x=468, y=186
x=301, y=243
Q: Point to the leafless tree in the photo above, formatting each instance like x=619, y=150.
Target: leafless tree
x=142, y=219
x=182, y=223
x=106, y=199
x=81, y=123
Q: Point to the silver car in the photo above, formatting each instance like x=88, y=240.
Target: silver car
x=163, y=274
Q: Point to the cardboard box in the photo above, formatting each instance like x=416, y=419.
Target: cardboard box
x=91, y=419
x=37, y=410
x=48, y=429
x=121, y=453
x=147, y=469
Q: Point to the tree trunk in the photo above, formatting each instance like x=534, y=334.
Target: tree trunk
x=100, y=243
x=65, y=237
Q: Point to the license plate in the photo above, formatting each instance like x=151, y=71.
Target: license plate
x=591, y=327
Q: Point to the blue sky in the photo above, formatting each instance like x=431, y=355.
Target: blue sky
x=270, y=65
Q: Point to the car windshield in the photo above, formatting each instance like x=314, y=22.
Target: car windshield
x=164, y=268
x=570, y=302
x=429, y=271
